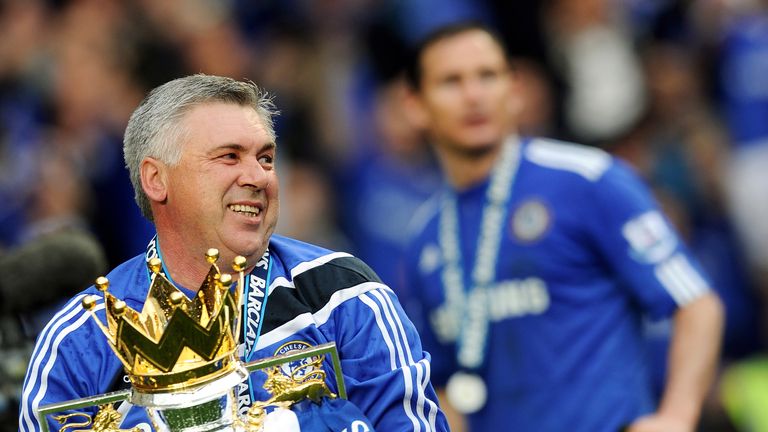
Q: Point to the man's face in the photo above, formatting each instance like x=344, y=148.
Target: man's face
x=466, y=91
x=223, y=193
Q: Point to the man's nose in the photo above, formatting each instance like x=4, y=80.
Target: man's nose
x=473, y=89
x=253, y=175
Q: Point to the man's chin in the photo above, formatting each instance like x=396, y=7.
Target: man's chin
x=250, y=250
x=477, y=149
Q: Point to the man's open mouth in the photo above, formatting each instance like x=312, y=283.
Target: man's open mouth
x=246, y=210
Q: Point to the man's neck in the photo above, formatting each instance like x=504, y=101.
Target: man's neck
x=186, y=267
x=466, y=169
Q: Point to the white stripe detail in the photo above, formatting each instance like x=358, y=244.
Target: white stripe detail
x=681, y=280
x=420, y=394
x=44, y=341
x=318, y=318
x=124, y=409
x=588, y=162
x=54, y=353
x=432, y=405
x=305, y=266
x=299, y=322
x=396, y=350
x=407, y=380
x=420, y=388
x=74, y=302
x=672, y=286
x=384, y=334
x=692, y=278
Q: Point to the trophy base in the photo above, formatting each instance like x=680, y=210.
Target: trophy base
x=217, y=415
x=209, y=407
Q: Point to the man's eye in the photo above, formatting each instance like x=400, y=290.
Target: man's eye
x=488, y=75
x=230, y=156
x=266, y=160
x=451, y=80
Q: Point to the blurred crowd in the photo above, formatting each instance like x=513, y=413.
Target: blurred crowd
x=678, y=88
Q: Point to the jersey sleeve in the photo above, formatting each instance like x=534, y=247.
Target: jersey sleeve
x=386, y=372
x=64, y=364
x=640, y=244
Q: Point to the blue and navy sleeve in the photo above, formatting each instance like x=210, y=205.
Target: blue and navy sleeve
x=63, y=364
x=641, y=245
x=386, y=372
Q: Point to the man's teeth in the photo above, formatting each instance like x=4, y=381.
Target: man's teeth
x=245, y=209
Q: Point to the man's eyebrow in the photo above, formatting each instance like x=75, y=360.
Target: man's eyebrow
x=239, y=147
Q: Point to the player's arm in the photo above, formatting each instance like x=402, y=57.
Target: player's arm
x=55, y=372
x=385, y=370
x=665, y=279
x=692, y=362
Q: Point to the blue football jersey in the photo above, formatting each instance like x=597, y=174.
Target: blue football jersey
x=584, y=254
x=315, y=296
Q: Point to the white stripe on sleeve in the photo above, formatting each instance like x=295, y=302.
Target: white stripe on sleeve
x=39, y=353
x=384, y=328
x=50, y=362
x=680, y=279
x=420, y=386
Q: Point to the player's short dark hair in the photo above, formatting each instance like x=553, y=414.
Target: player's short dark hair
x=413, y=70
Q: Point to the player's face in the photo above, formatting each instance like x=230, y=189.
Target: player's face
x=223, y=193
x=466, y=91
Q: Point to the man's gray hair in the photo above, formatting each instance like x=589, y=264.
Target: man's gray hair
x=154, y=129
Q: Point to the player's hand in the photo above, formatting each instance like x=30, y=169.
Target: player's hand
x=659, y=423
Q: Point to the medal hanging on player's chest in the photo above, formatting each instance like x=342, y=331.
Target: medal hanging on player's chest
x=466, y=390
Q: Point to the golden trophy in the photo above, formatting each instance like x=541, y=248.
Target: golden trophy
x=180, y=355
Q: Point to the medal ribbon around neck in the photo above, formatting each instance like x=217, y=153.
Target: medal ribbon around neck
x=255, y=295
x=470, y=305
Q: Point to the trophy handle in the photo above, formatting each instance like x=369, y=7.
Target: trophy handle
x=323, y=349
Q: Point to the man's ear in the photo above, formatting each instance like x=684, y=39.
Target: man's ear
x=154, y=179
x=415, y=111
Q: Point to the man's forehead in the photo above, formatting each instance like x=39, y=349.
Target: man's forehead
x=217, y=123
x=473, y=44
x=222, y=114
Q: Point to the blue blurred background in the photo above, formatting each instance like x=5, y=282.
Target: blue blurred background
x=677, y=88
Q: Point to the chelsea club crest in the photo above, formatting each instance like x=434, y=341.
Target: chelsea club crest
x=299, y=369
x=530, y=220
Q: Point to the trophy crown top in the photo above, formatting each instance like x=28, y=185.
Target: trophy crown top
x=212, y=255
x=155, y=265
x=102, y=283
x=173, y=342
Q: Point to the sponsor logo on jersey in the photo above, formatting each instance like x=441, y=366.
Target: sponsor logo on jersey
x=530, y=221
x=298, y=369
x=650, y=238
x=512, y=298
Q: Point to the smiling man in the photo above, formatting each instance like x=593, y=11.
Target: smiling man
x=201, y=155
